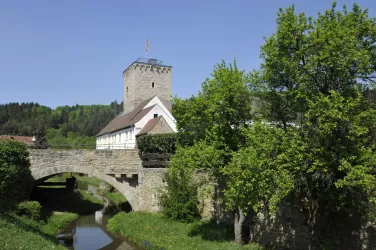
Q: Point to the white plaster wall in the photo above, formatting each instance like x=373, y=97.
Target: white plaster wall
x=127, y=140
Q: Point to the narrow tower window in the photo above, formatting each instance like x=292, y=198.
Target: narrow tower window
x=152, y=84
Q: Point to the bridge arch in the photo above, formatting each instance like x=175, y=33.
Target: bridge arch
x=127, y=189
x=118, y=168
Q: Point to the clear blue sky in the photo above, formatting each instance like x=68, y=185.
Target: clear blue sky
x=74, y=52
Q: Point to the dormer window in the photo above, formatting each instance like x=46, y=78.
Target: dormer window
x=155, y=115
x=152, y=84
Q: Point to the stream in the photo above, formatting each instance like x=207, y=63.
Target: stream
x=89, y=232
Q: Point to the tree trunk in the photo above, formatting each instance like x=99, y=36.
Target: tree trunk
x=314, y=225
x=238, y=226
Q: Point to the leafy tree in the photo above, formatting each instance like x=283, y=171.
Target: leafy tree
x=212, y=124
x=180, y=202
x=332, y=161
x=313, y=83
x=218, y=111
x=15, y=175
x=40, y=135
x=307, y=56
x=255, y=178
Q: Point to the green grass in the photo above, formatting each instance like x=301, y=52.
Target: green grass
x=89, y=180
x=155, y=231
x=116, y=198
x=60, y=207
x=21, y=233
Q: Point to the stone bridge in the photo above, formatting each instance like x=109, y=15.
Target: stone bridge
x=122, y=169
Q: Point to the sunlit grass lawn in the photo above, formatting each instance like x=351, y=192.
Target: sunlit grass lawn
x=154, y=231
x=115, y=197
x=89, y=180
x=21, y=233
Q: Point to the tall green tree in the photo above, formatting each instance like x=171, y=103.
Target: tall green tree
x=255, y=179
x=213, y=121
x=313, y=82
x=40, y=135
x=220, y=109
x=15, y=175
x=306, y=56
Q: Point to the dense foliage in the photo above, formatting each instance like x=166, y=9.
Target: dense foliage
x=65, y=126
x=29, y=209
x=158, y=143
x=218, y=111
x=316, y=137
x=315, y=83
x=15, y=175
x=180, y=202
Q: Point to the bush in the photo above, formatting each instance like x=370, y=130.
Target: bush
x=180, y=202
x=158, y=143
x=29, y=209
x=15, y=175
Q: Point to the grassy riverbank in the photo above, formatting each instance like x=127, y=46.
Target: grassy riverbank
x=21, y=233
x=60, y=207
x=154, y=231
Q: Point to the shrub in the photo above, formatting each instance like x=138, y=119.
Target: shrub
x=15, y=175
x=29, y=209
x=158, y=143
x=180, y=202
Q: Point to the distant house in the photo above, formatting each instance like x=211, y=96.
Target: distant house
x=147, y=106
x=28, y=140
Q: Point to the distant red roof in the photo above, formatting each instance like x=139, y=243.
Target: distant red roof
x=25, y=139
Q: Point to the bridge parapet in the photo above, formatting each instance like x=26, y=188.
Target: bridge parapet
x=125, y=161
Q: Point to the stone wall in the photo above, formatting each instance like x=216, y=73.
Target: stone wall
x=151, y=186
x=138, y=79
x=288, y=229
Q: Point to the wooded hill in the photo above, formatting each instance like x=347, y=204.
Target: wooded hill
x=66, y=125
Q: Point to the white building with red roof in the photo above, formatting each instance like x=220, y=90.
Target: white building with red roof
x=147, y=106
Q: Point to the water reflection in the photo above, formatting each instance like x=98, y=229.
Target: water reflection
x=85, y=234
x=89, y=232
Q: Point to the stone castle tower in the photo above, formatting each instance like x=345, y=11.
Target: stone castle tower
x=144, y=79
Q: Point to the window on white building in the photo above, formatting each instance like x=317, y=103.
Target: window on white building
x=130, y=135
x=119, y=139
